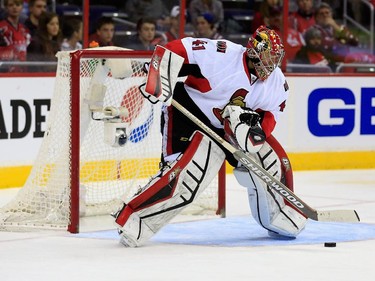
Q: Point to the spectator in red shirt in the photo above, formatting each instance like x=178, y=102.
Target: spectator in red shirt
x=294, y=39
x=303, y=18
x=104, y=32
x=14, y=36
x=313, y=52
x=261, y=16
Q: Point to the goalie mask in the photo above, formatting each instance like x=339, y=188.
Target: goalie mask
x=265, y=51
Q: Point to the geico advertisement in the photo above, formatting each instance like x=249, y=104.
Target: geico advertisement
x=24, y=106
x=322, y=114
x=329, y=114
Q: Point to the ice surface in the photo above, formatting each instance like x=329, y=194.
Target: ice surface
x=234, y=248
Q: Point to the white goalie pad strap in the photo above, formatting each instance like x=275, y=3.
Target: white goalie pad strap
x=97, y=90
x=267, y=207
x=163, y=74
x=173, y=189
x=119, y=68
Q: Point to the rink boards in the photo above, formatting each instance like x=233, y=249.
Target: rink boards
x=329, y=123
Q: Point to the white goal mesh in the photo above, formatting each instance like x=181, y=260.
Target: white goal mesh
x=77, y=172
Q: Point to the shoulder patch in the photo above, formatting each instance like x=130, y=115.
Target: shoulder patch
x=221, y=46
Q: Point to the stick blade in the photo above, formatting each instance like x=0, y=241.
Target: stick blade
x=338, y=216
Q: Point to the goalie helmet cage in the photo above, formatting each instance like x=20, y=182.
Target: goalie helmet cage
x=77, y=173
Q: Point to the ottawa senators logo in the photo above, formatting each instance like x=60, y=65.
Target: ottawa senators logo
x=238, y=98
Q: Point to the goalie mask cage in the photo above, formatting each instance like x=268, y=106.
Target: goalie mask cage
x=77, y=173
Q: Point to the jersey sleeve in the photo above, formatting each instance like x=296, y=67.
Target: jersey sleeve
x=277, y=91
x=195, y=53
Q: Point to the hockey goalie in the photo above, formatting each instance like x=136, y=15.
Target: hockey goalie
x=239, y=92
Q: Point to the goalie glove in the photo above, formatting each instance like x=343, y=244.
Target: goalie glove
x=242, y=128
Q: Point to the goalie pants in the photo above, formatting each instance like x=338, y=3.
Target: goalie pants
x=177, y=128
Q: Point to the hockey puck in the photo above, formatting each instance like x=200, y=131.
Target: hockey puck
x=330, y=244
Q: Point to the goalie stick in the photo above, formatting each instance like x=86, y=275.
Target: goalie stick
x=247, y=161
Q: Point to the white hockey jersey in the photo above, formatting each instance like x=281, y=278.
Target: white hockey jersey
x=222, y=77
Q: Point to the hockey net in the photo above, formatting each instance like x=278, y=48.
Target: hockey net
x=77, y=171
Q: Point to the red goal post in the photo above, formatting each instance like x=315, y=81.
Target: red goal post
x=77, y=172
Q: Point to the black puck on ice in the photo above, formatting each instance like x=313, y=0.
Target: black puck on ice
x=330, y=244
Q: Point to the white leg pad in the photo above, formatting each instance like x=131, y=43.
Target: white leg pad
x=167, y=194
x=268, y=208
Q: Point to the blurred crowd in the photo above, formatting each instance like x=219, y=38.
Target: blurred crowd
x=30, y=31
x=315, y=33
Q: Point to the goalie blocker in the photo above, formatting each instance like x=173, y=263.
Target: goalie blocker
x=175, y=187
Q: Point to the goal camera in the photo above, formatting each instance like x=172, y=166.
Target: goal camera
x=115, y=134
